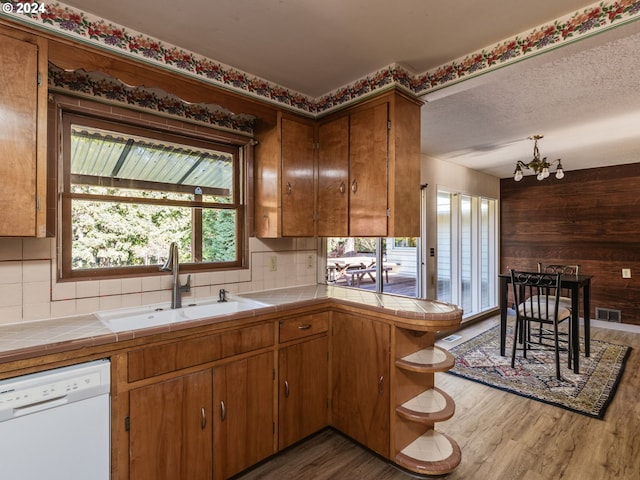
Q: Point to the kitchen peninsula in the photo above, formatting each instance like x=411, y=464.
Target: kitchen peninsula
x=260, y=380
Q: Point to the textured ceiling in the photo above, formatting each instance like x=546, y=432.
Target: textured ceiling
x=582, y=97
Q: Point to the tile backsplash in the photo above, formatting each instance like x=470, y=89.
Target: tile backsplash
x=29, y=291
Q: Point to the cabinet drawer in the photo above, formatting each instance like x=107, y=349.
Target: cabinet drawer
x=156, y=360
x=303, y=326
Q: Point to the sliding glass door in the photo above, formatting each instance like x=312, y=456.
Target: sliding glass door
x=467, y=251
x=444, y=263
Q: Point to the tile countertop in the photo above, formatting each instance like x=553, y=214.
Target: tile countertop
x=25, y=340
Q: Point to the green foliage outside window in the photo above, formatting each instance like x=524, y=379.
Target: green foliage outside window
x=218, y=235
x=110, y=234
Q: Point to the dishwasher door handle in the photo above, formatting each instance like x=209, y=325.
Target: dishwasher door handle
x=42, y=405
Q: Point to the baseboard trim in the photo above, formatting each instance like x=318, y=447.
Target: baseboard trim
x=624, y=327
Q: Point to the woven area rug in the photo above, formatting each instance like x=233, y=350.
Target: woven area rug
x=589, y=393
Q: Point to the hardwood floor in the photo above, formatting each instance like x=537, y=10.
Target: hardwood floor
x=328, y=455
x=502, y=436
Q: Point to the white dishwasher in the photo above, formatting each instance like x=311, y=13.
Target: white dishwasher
x=56, y=424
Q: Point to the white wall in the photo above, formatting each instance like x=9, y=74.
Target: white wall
x=457, y=178
x=454, y=178
x=29, y=291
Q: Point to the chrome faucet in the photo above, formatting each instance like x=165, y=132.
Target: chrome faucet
x=222, y=295
x=172, y=265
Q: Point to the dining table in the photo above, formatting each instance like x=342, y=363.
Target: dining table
x=576, y=285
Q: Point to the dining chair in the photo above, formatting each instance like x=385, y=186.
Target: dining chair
x=555, y=268
x=538, y=315
x=565, y=296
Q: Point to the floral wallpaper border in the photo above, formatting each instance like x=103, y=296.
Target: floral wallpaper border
x=70, y=22
x=96, y=85
x=593, y=19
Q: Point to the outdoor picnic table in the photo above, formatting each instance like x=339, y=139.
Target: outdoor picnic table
x=356, y=267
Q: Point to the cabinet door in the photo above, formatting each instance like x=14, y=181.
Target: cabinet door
x=21, y=117
x=360, y=380
x=404, y=168
x=368, y=143
x=171, y=429
x=304, y=372
x=243, y=414
x=298, y=198
x=333, y=178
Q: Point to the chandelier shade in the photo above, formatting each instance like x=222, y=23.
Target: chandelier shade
x=539, y=166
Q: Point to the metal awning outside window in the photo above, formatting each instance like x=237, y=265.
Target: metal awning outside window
x=111, y=155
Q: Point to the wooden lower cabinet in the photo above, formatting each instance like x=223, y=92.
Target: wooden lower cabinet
x=360, y=380
x=303, y=390
x=205, y=425
x=170, y=434
x=243, y=414
x=325, y=368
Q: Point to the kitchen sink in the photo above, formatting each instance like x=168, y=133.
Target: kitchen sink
x=124, y=319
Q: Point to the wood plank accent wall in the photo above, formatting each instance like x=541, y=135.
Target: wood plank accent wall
x=591, y=217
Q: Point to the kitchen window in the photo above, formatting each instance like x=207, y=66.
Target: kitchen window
x=129, y=191
x=388, y=265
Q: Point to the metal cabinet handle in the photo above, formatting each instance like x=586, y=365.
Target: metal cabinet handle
x=289, y=188
x=354, y=186
x=286, y=389
x=306, y=326
x=380, y=389
x=342, y=187
x=203, y=418
x=223, y=411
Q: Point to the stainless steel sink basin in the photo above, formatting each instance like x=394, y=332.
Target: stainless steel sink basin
x=121, y=320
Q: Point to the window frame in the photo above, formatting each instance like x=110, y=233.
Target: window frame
x=482, y=251
x=382, y=247
x=155, y=127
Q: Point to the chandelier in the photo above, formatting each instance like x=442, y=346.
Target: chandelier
x=539, y=166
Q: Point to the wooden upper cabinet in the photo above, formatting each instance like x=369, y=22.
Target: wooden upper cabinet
x=333, y=178
x=403, y=193
x=373, y=149
x=23, y=116
x=284, y=179
x=298, y=199
x=384, y=142
x=366, y=177
x=368, y=142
